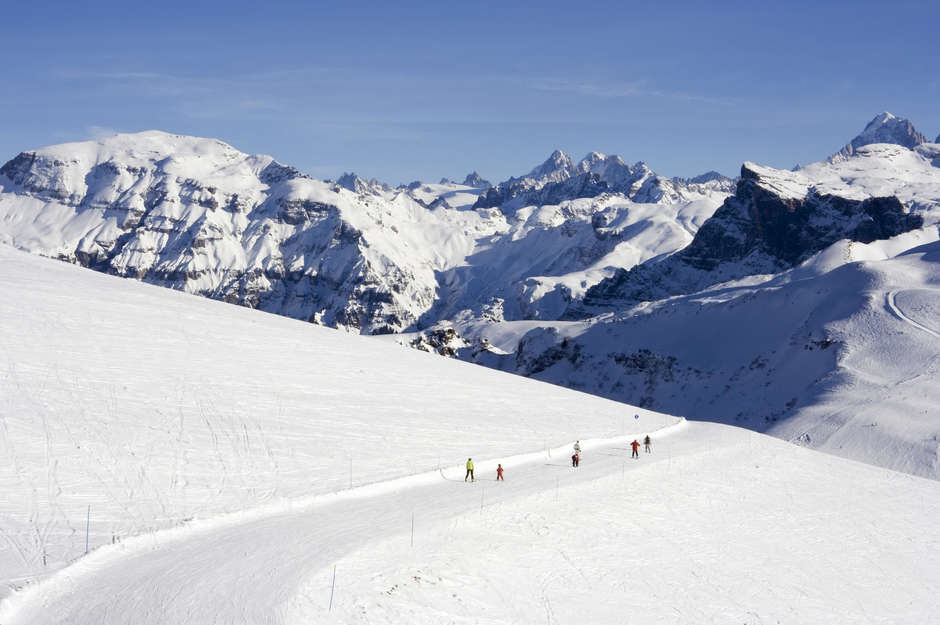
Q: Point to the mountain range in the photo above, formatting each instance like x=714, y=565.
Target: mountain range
x=742, y=300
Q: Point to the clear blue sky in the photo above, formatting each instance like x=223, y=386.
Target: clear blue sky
x=421, y=90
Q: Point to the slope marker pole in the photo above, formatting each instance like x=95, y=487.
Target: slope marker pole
x=87, y=526
x=332, y=587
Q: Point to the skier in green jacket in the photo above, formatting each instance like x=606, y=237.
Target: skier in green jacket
x=469, y=471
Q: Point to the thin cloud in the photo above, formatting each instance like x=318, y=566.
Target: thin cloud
x=617, y=90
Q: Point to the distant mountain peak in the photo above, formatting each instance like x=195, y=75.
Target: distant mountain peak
x=708, y=176
x=474, y=179
x=558, y=161
x=885, y=128
x=352, y=182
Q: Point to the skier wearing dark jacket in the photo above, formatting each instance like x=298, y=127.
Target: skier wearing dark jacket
x=646, y=443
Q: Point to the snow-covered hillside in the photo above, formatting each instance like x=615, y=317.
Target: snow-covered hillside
x=840, y=354
x=197, y=215
x=152, y=407
x=776, y=316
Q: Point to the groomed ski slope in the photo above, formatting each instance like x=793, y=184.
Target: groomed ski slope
x=152, y=407
x=718, y=525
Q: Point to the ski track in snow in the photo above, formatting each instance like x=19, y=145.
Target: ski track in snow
x=246, y=567
x=717, y=525
x=898, y=312
x=154, y=407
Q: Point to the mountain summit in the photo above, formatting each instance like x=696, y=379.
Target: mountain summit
x=558, y=166
x=885, y=128
x=474, y=179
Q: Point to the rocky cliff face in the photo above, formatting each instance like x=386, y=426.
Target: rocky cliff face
x=473, y=179
x=198, y=215
x=778, y=219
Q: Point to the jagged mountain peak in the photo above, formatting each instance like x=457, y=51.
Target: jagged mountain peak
x=352, y=182
x=885, y=128
x=708, y=176
x=474, y=179
x=595, y=157
x=557, y=162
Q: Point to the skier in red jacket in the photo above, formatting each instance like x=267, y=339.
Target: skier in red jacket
x=635, y=446
x=499, y=473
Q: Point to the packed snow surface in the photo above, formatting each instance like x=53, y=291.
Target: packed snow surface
x=154, y=406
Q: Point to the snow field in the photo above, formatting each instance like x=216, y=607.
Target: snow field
x=154, y=407
x=735, y=527
x=717, y=525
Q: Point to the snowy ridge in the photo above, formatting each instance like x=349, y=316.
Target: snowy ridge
x=197, y=215
x=839, y=354
x=560, y=178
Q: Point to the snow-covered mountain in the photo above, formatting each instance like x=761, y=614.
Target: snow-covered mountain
x=840, y=357
x=509, y=276
x=766, y=319
x=778, y=218
x=560, y=178
x=197, y=215
x=885, y=128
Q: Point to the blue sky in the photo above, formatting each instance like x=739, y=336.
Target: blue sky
x=421, y=90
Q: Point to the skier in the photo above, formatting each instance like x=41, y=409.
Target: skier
x=469, y=471
x=576, y=458
x=499, y=473
x=646, y=443
x=636, y=446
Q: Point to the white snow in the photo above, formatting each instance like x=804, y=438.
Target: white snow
x=198, y=215
x=840, y=354
x=155, y=406
x=876, y=170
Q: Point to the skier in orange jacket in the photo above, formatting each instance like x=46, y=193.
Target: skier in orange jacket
x=636, y=446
